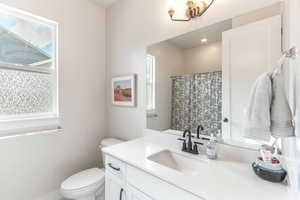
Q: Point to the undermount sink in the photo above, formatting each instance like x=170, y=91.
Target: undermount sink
x=178, y=162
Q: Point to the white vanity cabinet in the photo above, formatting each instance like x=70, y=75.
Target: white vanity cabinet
x=135, y=194
x=113, y=189
x=125, y=182
x=115, y=184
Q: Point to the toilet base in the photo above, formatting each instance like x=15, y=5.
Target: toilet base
x=93, y=191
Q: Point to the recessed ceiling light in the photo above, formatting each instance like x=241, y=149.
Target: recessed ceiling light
x=203, y=40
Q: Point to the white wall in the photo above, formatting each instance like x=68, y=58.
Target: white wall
x=260, y=14
x=292, y=39
x=135, y=24
x=169, y=62
x=204, y=58
x=32, y=166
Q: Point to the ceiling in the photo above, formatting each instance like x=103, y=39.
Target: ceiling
x=213, y=33
x=105, y=3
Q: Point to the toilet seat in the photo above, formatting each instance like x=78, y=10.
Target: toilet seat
x=83, y=183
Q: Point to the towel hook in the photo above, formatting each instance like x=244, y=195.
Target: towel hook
x=291, y=53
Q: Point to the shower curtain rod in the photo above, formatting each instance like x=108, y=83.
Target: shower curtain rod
x=178, y=76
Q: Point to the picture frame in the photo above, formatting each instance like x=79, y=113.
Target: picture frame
x=124, y=91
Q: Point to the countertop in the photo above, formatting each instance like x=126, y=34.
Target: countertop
x=228, y=178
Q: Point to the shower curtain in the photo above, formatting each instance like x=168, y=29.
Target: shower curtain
x=197, y=100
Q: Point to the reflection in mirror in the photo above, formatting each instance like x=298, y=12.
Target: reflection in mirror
x=205, y=77
x=188, y=81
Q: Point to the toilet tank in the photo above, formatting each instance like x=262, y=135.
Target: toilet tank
x=108, y=142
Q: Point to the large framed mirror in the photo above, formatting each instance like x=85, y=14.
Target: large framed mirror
x=204, y=78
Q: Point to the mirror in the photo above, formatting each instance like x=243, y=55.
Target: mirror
x=205, y=77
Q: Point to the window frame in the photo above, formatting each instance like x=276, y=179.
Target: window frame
x=35, y=122
x=151, y=110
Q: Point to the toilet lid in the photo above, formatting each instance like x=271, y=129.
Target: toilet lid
x=84, y=179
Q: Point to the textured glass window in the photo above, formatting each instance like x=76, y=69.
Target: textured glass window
x=28, y=71
x=25, y=93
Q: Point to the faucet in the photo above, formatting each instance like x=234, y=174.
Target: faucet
x=189, y=147
x=200, y=127
x=189, y=144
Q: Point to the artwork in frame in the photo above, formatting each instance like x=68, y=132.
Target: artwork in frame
x=124, y=91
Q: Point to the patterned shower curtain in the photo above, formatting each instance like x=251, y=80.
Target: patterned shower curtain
x=197, y=100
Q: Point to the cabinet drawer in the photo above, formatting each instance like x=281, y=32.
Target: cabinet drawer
x=115, y=167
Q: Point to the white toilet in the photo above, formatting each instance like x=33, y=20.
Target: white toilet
x=88, y=184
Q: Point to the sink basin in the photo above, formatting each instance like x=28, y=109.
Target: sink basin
x=178, y=162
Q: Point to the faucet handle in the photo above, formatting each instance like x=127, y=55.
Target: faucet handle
x=195, y=148
x=204, y=138
x=191, y=137
x=184, y=148
x=199, y=143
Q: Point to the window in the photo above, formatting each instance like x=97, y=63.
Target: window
x=150, y=84
x=28, y=72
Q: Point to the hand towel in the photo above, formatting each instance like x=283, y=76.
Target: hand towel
x=257, y=117
x=268, y=113
x=281, y=115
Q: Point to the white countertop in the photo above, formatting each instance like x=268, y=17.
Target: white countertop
x=228, y=178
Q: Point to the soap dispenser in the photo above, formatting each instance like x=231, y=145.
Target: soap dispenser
x=212, y=148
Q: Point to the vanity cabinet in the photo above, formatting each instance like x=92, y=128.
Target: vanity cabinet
x=135, y=194
x=125, y=182
x=116, y=190
x=115, y=185
x=113, y=189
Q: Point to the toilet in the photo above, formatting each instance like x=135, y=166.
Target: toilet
x=88, y=184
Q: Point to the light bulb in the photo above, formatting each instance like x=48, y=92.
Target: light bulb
x=203, y=40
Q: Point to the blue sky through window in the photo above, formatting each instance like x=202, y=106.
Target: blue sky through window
x=40, y=36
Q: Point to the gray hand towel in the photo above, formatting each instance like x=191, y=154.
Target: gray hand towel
x=268, y=112
x=281, y=114
x=257, y=116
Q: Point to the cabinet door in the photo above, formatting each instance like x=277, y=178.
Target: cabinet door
x=137, y=195
x=248, y=51
x=114, y=189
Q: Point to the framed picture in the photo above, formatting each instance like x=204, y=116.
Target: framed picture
x=124, y=91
